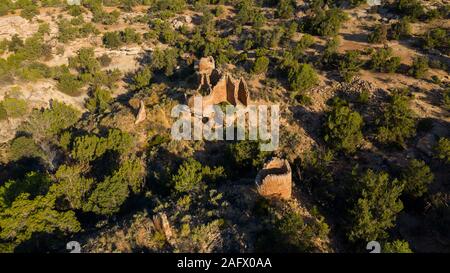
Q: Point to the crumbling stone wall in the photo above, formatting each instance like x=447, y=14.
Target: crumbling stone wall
x=275, y=179
x=218, y=86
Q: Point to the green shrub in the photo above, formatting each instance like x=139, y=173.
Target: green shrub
x=330, y=55
x=141, y=79
x=129, y=36
x=291, y=232
x=43, y=124
x=419, y=68
x=396, y=246
x=446, y=99
x=69, y=84
x=285, y=9
x=261, y=65
x=301, y=78
x=105, y=60
x=397, y=123
x=166, y=60
x=112, y=40
x=305, y=42
x=29, y=12
x=15, y=108
x=248, y=14
x=192, y=176
x=417, y=177
x=437, y=38
x=85, y=62
x=26, y=218
x=383, y=61
x=343, y=127
x=376, y=208
x=105, y=18
x=99, y=101
x=111, y=193
x=378, y=35
x=443, y=150
x=349, y=65
x=410, y=8
x=325, y=23
x=401, y=29
x=170, y=5
x=90, y=147
x=245, y=155
x=5, y=7
x=24, y=147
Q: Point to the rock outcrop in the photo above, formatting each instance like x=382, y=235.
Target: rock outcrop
x=142, y=115
x=218, y=86
x=162, y=225
x=275, y=179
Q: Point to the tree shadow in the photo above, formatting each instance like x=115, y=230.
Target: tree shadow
x=310, y=121
x=355, y=37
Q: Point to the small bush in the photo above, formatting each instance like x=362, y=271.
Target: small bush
x=397, y=123
x=165, y=60
x=410, y=8
x=112, y=40
x=437, y=38
x=417, y=177
x=400, y=30
x=29, y=12
x=105, y=60
x=383, y=61
x=378, y=35
x=343, y=127
x=285, y=9
x=23, y=147
x=301, y=78
x=376, y=209
x=443, y=150
x=325, y=23
x=99, y=101
x=261, y=65
x=349, y=65
x=397, y=247
x=15, y=108
x=446, y=99
x=419, y=68
x=69, y=84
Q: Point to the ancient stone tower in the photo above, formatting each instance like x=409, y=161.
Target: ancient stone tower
x=218, y=86
x=275, y=179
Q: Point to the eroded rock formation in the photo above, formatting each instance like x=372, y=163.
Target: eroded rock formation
x=162, y=225
x=275, y=179
x=219, y=86
x=142, y=115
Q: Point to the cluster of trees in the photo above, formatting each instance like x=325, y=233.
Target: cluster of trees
x=342, y=125
x=69, y=30
x=118, y=38
x=89, y=71
x=396, y=31
x=324, y=22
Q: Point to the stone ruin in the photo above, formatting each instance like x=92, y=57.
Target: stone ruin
x=275, y=179
x=219, y=86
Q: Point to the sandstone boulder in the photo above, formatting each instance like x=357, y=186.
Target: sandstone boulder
x=142, y=115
